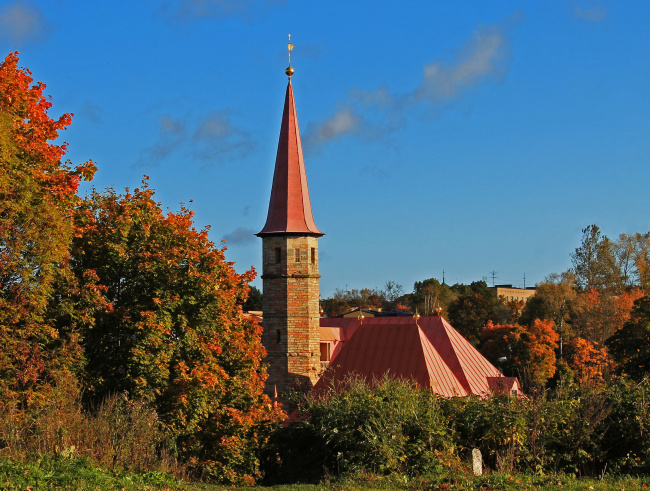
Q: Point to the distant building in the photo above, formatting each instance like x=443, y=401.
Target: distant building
x=376, y=312
x=509, y=292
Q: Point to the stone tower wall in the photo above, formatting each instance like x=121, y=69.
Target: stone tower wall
x=291, y=312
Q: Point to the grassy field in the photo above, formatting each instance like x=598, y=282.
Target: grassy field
x=75, y=474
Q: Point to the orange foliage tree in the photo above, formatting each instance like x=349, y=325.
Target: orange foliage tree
x=587, y=361
x=171, y=330
x=524, y=351
x=599, y=315
x=37, y=197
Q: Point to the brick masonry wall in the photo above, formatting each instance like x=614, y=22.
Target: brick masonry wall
x=291, y=312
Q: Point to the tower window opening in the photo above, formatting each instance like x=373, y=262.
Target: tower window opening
x=297, y=255
x=279, y=339
x=278, y=255
x=313, y=255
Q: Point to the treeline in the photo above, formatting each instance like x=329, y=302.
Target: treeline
x=106, y=294
x=342, y=301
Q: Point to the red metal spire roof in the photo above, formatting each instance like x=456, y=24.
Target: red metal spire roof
x=289, y=207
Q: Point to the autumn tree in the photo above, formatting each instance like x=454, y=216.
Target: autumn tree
x=634, y=257
x=524, y=351
x=588, y=361
x=172, y=330
x=598, y=316
x=555, y=299
x=37, y=197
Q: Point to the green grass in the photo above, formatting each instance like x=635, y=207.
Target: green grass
x=80, y=474
x=77, y=474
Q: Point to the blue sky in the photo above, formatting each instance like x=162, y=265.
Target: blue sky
x=462, y=136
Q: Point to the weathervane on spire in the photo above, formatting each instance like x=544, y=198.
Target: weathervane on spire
x=289, y=70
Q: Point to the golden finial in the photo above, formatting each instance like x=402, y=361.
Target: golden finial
x=289, y=70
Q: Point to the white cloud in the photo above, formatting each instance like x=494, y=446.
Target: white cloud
x=219, y=9
x=240, y=235
x=340, y=123
x=482, y=56
x=217, y=139
x=214, y=127
x=21, y=22
x=214, y=140
x=171, y=135
x=595, y=13
x=375, y=113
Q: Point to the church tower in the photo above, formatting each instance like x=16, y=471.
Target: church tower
x=290, y=276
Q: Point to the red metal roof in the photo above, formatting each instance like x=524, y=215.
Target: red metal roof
x=470, y=366
x=289, y=206
x=430, y=351
x=402, y=351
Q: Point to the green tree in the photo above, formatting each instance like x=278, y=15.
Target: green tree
x=630, y=346
x=37, y=197
x=392, y=292
x=254, y=300
x=469, y=313
x=429, y=295
x=595, y=263
x=172, y=330
x=480, y=287
x=345, y=300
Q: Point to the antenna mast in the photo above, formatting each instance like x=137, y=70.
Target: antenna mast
x=494, y=276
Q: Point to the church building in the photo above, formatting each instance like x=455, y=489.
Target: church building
x=305, y=351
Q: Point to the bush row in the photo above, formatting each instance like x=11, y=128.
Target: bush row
x=393, y=427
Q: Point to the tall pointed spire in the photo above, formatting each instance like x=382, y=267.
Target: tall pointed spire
x=290, y=207
x=291, y=333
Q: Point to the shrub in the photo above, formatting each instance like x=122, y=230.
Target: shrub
x=387, y=426
x=627, y=429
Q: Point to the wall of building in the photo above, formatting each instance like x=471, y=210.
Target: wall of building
x=510, y=293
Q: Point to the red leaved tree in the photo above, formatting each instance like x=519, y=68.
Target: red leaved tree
x=525, y=351
x=37, y=197
x=174, y=333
